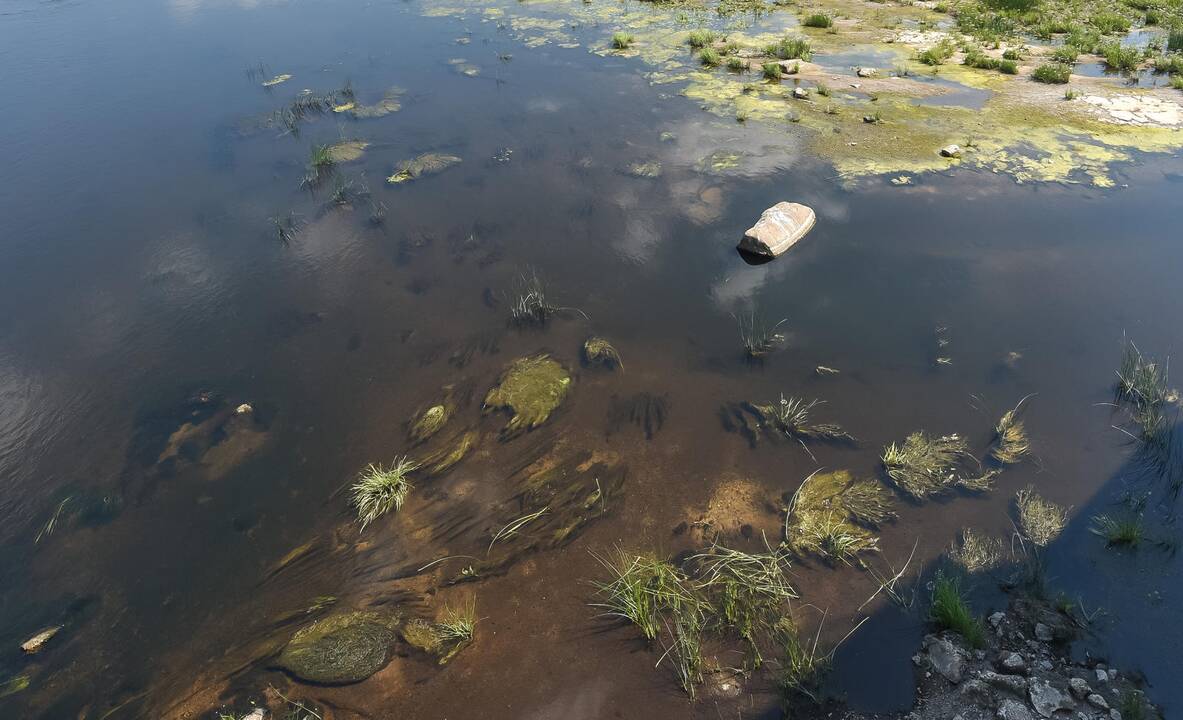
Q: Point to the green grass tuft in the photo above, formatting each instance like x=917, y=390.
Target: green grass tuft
x=1120, y=57
x=710, y=57
x=1066, y=54
x=818, y=20
x=1121, y=530
x=621, y=40
x=951, y=611
x=700, y=38
x=772, y=71
x=379, y=490
x=1052, y=73
x=790, y=48
x=735, y=64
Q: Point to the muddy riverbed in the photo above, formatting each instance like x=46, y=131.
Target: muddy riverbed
x=251, y=249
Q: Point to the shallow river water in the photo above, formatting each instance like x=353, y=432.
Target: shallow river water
x=144, y=286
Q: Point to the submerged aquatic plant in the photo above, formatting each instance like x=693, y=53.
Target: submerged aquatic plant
x=1010, y=437
x=598, y=351
x=758, y=340
x=379, y=490
x=457, y=625
x=925, y=466
x=1040, y=521
x=1143, y=385
x=830, y=514
x=977, y=552
x=950, y=611
x=1119, y=529
x=791, y=416
x=641, y=589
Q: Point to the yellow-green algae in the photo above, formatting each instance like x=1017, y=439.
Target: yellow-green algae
x=831, y=515
x=531, y=388
x=430, y=638
x=443, y=459
x=428, y=422
x=1023, y=134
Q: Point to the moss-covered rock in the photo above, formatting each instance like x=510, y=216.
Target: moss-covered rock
x=431, y=639
x=531, y=388
x=341, y=649
x=347, y=150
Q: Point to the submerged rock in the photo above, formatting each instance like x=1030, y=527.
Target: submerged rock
x=341, y=649
x=531, y=388
x=425, y=164
x=38, y=641
x=778, y=229
x=651, y=169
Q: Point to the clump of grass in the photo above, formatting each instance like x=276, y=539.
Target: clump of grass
x=621, y=40
x=823, y=89
x=1070, y=94
x=457, y=625
x=735, y=64
x=530, y=305
x=977, y=552
x=976, y=58
x=1110, y=23
x=772, y=71
x=710, y=57
x=285, y=227
x=791, y=417
x=700, y=38
x=1040, y=521
x=379, y=489
x=641, y=589
x=830, y=513
x=1014, y=54
x=1177, y=82
x=1175, y=39
x=1120, y=57
x=790, y=48
x=1143, y=383
x=803, y=667
x=1008, y=67
x=937, y=54
x=1132, y=705
x=925, y=466
x=1052, y=73
x=1065, y=54
x=1172, y=64
x=757, y=338
x=1119, y=530
x=1010, y=437
x=818, y=20
x=951, y=611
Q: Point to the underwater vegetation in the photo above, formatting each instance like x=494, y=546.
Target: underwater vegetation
x=926, y=466
x=529, y=303
x=645, y=410
x=1010, y=437
x=791, y=417
x=757, y=338
x=977, y=552
x=832, y=514
x=530, y=389
x=1040, y=521
x=422, y=166
x=379, y=489
x=598, y=351
x=446, y=637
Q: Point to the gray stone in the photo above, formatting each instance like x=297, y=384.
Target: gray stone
x=256, y=714
x=1043, y=633
x=996, y=619
x=1016, y=684
x=340, y=649
x=951, y=151
x=945, y=658
x=1114, y=714
x=1047, y=700
x=1098, y=702
x=1102, y=676
x=778, y=229
x=1013, y=710
x=1079, y=688
x=976, y=691
x=800, y=93
x=866, y=72
x=1012, y=662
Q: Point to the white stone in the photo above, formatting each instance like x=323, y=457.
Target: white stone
x=778, y=229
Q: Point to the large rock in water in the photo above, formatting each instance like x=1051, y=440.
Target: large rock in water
x=778, y=229
x=340, y=649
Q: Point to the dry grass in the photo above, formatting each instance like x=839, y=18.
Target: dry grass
x=977, y=552
x=1040, y=521
x=925, y=466
x=1010, y=437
